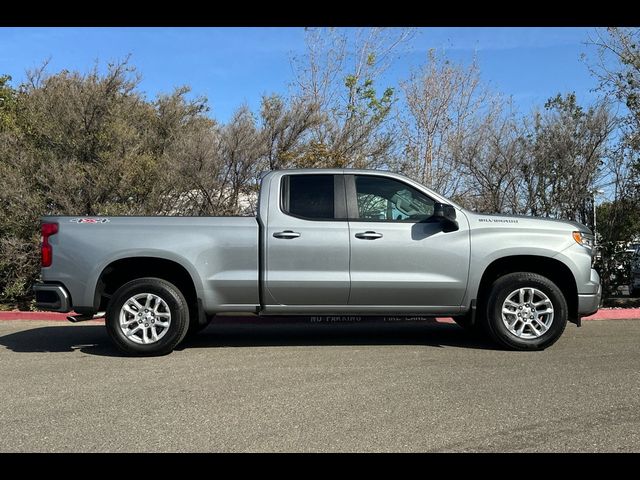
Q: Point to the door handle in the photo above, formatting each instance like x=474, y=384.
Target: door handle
x=368, y=235
x=286, y=234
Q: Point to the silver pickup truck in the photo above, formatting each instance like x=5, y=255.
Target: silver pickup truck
x=340, y=241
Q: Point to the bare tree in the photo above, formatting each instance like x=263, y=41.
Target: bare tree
x=617, y=67
x=285, y=128
x=340, y=73
x=445, y=105
x=193, y=166
x=492, y=161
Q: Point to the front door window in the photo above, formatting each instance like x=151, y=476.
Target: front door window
x=387, y=200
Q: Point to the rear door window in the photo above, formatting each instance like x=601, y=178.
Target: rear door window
x=310, y=197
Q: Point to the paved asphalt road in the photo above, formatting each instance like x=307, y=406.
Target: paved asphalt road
x=380, y=387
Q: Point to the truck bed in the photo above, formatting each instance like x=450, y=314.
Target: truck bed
x=219, y=253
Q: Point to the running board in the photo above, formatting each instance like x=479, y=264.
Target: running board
x=84, y=318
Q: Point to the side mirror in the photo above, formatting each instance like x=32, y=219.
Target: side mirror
x=446, y=214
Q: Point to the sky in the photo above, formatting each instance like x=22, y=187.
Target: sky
x=232, y=66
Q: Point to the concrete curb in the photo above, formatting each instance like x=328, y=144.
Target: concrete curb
x=602, y=314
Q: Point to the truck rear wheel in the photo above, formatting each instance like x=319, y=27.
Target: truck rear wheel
x=525, y=311
x=147, y=316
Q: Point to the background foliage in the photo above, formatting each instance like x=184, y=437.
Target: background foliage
x=90, y=143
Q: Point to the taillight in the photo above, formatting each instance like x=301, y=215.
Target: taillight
x=46, y=250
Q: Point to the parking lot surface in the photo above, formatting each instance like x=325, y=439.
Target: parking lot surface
x=319, y=387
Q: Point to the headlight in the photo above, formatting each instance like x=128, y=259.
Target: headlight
x=584, y=239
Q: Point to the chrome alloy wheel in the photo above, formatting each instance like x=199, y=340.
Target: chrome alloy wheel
x=527, y=313
x=145, y=318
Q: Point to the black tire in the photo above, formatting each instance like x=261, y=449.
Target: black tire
x=177, y=306
x=499, y=292
x=634, y=292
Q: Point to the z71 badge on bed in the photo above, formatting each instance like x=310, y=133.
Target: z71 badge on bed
x=89, y=220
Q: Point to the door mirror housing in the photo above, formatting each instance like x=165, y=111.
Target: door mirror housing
x=445, y=214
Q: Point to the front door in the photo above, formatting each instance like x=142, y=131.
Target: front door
x=307, y=242
x=398, y=256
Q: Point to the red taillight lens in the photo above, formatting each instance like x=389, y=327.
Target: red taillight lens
x=46, y=250
x=49, y=229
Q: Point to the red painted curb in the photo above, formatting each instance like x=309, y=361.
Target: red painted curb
x=602, y=314
x=615, y=314
x=48, y=316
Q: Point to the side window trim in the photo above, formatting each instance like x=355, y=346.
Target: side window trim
x=352, y=199
x=339, y=199
x=284, y=194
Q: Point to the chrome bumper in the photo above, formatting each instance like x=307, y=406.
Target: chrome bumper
x=52, y=297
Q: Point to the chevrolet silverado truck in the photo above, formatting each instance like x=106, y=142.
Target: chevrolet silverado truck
x=324, y=242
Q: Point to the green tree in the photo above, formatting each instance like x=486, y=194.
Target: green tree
x=83, y=144
x=618, y=224
x=7, y=104
x=568, y=146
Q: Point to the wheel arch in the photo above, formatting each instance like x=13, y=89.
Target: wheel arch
x=122, y=270
x=548, y=267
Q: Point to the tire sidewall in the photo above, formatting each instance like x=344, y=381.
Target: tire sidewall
x=177, y=306
x=502, y=288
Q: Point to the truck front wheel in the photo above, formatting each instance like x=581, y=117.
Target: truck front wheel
x=147, y=316
x=525, y=311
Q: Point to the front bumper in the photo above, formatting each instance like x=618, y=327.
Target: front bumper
x=52, y=297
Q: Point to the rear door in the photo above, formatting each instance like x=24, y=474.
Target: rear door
x=307, y=241
x=399, y=257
